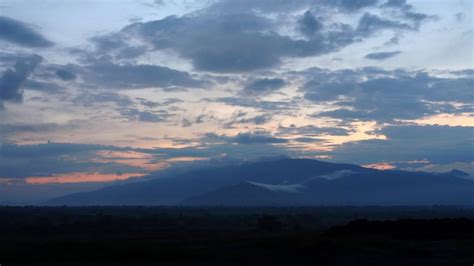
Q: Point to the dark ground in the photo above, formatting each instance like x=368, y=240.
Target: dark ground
x=236, y=236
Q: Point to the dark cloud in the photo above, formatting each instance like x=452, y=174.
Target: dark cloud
x=230, y=36
x=17, y=32
x=308, y=24
x=263, y=86
x=248, y=138
x=225, y=43
x=406, y=11
x=257, y=120
x=152, y=117
x=267, y=6
x=108, y=42
x=8, y=59
x=186, y=122
x=20, y=161
x=219, y=42
x=125, y=76
x=352, y=5
x=49, y=149
x=274, y=106
x=148, y=104
x=200, y=118
x=460, y=16
x=394, y=40
x=90, y=98
x=13, y=79
x=311, y=130
x=369, y=24
x=131, y=52
x=145, y=116
x=245, y=138
x=116, y=45
x=65, y=75
x=464, y=72
x=12, y=129
x=47, y=87
x=169, y=101
x=278, y=6
x=395, y=3
x=374, y=94
x=127, y=107
x=382, y=55
x=242, y=118
x=437, y=144
x=155, y=3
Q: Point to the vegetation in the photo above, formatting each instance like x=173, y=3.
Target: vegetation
x=236, y=236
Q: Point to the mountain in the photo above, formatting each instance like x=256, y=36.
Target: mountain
x=285, y=182
x=368, y=188
x=455, y=173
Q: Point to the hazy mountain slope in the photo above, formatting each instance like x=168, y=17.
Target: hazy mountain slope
x=369, y=188
x=172, y=190
x=242, y=194
x=265, y=182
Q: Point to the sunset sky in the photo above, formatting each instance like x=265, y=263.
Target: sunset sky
x=94, y=92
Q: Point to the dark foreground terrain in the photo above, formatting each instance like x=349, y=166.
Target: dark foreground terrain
x=236, y=236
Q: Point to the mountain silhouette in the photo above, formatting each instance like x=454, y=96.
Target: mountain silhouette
x=286, y=182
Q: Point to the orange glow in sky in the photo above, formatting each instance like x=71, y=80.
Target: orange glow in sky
x=79, y=177
x=186, y=159
x=379, y=166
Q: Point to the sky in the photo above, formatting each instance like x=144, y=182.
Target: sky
x=94, y=93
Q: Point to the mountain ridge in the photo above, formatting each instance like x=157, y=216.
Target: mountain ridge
x=275, y=183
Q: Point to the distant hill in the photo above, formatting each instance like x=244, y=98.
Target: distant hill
x=286, y=182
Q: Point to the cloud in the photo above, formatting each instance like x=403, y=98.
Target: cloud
x=382, y=55
x=8, y=59
x=369, y=24
x=395, y=3
x=51, y=159
x=245, y=138
x=21, y=161
x=351, y=5
x=376, y=94
x=116, y=45
x=48, y=87
x=276, y=6
x=437, y=144
x=308, y=24
x=145, y=116
x=263, y=86
x=460, y=17
x=249, y=138
x=311, y=130
x=243, y=118
x=231, y=36
x=13, y=79
x=127, y=76
x=132, y=109
x=22, y=34
x=239, y=46
x=257, y=120
x=11, y=131
x=65, y=75
x=18, y=128
x=89, y=98
x=257, y=104
x=406, y=11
